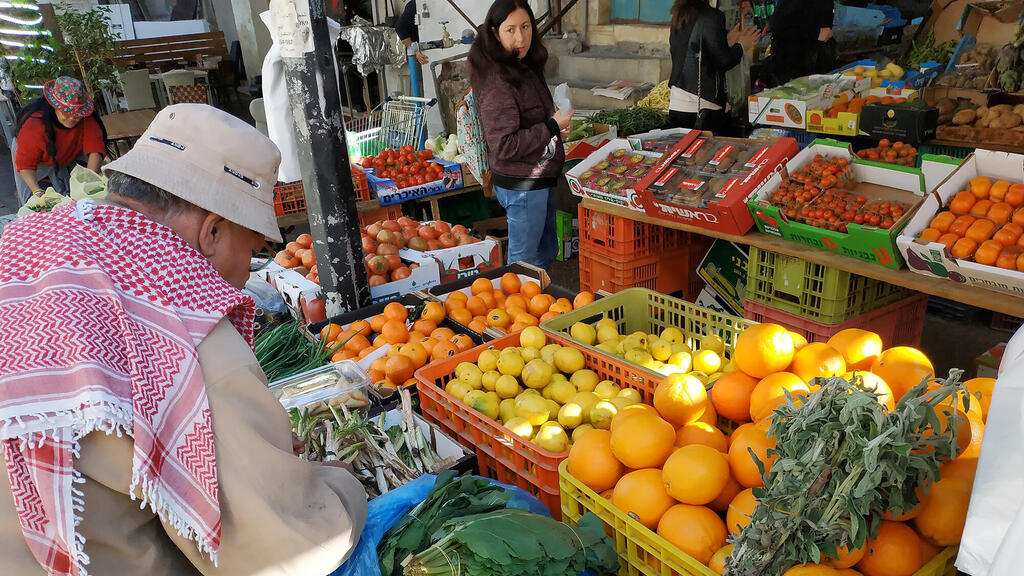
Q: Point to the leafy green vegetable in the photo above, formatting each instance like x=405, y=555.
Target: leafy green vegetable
x=843, y=461
x=629, y=121
x=514, y=542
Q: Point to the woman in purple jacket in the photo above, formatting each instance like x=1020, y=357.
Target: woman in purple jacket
x=521, y=127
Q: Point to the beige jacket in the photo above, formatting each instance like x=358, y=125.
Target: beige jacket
x=279, y=515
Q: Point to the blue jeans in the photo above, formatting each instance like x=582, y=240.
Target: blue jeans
x=532, y=236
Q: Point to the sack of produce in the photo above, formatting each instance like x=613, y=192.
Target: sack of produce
x=87, y=184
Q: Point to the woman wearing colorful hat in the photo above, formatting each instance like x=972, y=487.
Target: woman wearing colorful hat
x=53, y=133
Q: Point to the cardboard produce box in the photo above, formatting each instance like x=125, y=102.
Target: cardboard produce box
x=580, y=149
x=722, y=209
x=467, y=260
x=302, y=296
x=568, y=232
x=933, y=258
x=876, y=181
x=909, y=124
x=389, y=193
x=602, y=185
x=765, y=109
x=427, y=274
x=724, y=270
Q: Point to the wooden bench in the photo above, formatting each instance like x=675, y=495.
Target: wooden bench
x=166, y=50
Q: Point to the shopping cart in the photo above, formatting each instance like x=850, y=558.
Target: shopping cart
x=397, y=121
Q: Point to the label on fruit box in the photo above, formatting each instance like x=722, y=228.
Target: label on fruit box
x=690, y=184
x=757, y=157
x=693, y=148
x=725, y=151
x=729, y=187
x=666, y=177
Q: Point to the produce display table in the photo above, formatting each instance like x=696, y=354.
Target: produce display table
x=972, y=295
x=297, y=218
x=985, y=145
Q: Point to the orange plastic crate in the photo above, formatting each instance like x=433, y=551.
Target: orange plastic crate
x=669, y=272
x=289, y=198
x=500, y=453
x=898, y=324
x=392, y=212
x=359, y=183
x=625, y=238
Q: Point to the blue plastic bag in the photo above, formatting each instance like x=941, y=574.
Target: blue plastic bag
x=387, y=509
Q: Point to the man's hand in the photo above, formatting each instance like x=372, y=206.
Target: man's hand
x=824, y=34
x=748, y=39
x=422, y=58
x=733, y=36
x=298, y=445
x=564, y=119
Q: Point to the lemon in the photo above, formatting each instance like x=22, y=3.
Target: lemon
x=507, y=386
x=532, y=408
x=661, y=349
x=529, y=354
x=560, y=391
x=584, y=380
x=510, y=363
x=584, y=333
x=472, y=396
x=537, y=374
x=569, y=360
x=579, y=431
x=602, y=413
x=621, y=402
x=520, y=427
x=673, y=335
x=586, y=401
x=489, y=379
x=547, y=353
x=639, y=356
x=487, y=405
x=507, y=409
x=633, y=342
x=610, y=347
x=530, y=391
x=606, y=389
x=631, y=393
x=570, y=415
x=713, y=343
x=707, y=361
x=558, y=377
x=532, y=337
x=606, y=323
x=552, y=437
x=607, y=334
x=681, y=360
x=457, y=388
x=553, y=408
x=488, y=360
x=470, y=374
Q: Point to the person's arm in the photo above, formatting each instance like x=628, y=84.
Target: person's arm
x=93, y=145
x=94, y=162
x=29, y=153
x=29, y=176
x=718, y=50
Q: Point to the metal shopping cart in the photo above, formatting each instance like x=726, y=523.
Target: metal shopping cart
x=397, y=121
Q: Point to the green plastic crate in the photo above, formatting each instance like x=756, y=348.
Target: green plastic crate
x=941, y=150
x=640, y=309
x=815, y=291
x=465, y=209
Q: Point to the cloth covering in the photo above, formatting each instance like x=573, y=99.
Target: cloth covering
x=133, y=302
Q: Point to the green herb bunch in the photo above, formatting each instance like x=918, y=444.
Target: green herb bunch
x=843, y=461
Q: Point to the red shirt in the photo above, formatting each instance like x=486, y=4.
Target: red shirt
x=85, y=138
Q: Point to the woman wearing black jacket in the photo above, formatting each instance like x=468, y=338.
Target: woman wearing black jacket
x=802, y=41
x=702, y=52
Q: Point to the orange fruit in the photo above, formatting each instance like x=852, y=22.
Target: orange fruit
x=499, y=298
x=680, y=399
x=361, y=326
x=379, y=340
x=630, y=411
x=396, y=311
x=717, y=562
x=526, y=319
x=424, y=326
x=902, y=368
x=357, y=343
x=377, y=323
x=395, y=332
x=704, y=434
x=799, y=341
x=477, y=326
x=763, y=349
x=433, y=311
x=724, y=498
x=696, y=530
x=489, y=300
x=516, y=301
x=963, y=468
x=330, y=333
x=811, y=570
x=731, y=395
x=817, y=360
x=462, y=342
x=562, y=305
x=771, y=392
x=343, y=354
x=394, y=350
x=481, y=285
x=710, y=417
x=928, y=551
x=510, y=283
x=894, y=551
x=643, y=441
x=845, y=558
x=366, y=352
x=591, y=461
x=457, y=296
x=476, y=306
x=399, y=368
x=743, y=467
x=582, y=299
x=442, y=350
x=461, y=315
x=944, y=511
x=641, y=495
x=874, y=383
x=443, y=333
x=695, y=474
x=428, y=344
x=415, y=352
x=980, y=187
x=375, y=375
x=859, y=347
x=529, y=290
x=981, y=390
x=540, y=304
x=498, y=318
x=848, y=572
x=740, y=509
x=547, y=316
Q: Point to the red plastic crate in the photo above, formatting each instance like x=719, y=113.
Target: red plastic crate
x=359, y=183
x=625, y=238
x=289, y=198
x=898, y=324
x=392, y=212
x=669, y=272
x=500, y=453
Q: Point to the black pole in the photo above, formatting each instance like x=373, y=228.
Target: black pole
x=323, y=153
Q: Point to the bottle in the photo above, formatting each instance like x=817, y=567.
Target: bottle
x=747, y=19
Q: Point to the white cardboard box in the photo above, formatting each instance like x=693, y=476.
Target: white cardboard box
x=630, y=199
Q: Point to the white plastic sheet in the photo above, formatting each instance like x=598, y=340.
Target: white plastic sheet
x=562, y=99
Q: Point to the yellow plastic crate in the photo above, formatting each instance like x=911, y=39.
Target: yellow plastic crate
x=644, y=553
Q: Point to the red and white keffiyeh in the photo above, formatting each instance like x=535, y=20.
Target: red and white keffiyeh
x=101, y=311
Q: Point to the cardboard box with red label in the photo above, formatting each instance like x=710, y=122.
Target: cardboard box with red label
x=466, y=260
x=302, y=296
x=612, y=173
x=705, y=180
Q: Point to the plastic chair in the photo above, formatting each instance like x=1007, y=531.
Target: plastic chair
x=138, y=93
x=225, y=82
x=259, y=115
x=182, y=88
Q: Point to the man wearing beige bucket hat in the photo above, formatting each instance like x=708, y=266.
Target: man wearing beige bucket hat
x=127, y=377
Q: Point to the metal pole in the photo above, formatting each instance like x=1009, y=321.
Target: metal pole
x=323, y=153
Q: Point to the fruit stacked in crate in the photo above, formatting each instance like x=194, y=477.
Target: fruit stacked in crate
x=705, y=170
x=618, y=172
x=618, y=253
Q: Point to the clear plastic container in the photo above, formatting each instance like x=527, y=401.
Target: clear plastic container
x=337, y=383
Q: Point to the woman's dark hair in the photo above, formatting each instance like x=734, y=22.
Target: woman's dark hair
x=487, y=55
x=50, y=122
x=683, y=12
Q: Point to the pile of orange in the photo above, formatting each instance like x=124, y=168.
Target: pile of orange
x=412, y=344
x=692, y=482
x=984, y=223
x=511, y=307
x=298, y=255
